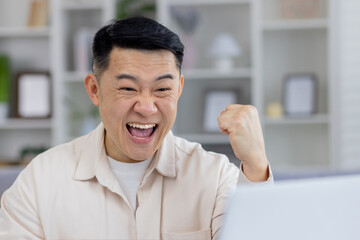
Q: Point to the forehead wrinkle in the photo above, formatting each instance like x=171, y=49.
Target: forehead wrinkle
x=126, y=76
x=134, y=69
x=165, y=76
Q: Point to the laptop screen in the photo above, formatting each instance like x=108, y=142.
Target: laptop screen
x=308, y=209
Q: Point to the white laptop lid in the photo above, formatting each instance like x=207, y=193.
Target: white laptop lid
x=325, y=208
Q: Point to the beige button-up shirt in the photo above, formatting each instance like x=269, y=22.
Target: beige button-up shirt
x=70, y=192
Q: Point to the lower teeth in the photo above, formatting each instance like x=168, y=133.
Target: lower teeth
x=139, y=137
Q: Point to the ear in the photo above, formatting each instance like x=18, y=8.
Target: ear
x=92, y=88
x=181, y=85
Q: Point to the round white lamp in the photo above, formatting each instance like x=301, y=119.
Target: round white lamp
x=224, y=49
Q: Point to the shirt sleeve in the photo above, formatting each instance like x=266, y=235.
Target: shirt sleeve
x=18, y=212
x=244, y=180
x=227, y=185
x=230, y=178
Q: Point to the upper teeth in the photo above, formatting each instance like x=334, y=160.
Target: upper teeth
x=141, y=126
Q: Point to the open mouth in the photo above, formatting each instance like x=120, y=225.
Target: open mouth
x=141, y=131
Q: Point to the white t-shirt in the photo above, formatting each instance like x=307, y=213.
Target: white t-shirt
x=129, y=176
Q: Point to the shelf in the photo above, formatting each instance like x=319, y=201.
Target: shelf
x=11, y=165
x=295, y=24
x=302, y=171
x=206, y=74
x=82, y=5
x=75, y=77
x=207, y=2
x=316, y=119
x=25, y=124
x=206, y=138
x=24, y=32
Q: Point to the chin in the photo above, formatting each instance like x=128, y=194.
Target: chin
x=141, y=155
x=141, y=158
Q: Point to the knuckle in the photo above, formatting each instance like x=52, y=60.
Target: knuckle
x=240, y=121
x=220, y=117
x=251, y=109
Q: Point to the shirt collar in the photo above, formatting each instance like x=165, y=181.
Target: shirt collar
x=92, y=156
x=164, y=159
x=93, y=160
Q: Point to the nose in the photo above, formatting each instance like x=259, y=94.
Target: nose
x=145, y=106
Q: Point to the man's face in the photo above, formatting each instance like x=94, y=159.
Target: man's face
x=137, y=98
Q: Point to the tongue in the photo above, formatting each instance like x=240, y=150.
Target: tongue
x=140, y=133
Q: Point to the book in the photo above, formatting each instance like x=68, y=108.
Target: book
x=82, y=49
x=38, y=15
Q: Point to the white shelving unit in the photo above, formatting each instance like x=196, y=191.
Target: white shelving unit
x=22, y=124
x=72, y=103
x=213, y=74
x=276, y=46
x=28, y=49
x=50, y=49
x=199, y=72
x=272, y=47
x=17, y=32
x=291, y=46
x=74, y=77
x=273, y=25
x=82, y=5
x=315, y=119
x=207, y=139
x=203, y=2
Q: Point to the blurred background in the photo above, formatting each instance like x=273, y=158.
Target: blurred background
x=295, y=60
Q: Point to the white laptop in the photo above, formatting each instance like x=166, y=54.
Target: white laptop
x=325, y=208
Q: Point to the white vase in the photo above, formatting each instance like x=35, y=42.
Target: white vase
x=190, y=52
x=3, y=111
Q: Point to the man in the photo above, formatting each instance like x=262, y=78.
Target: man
x=131, y=178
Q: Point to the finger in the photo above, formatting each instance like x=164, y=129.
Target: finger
x=223, y=131
x=233, y=106
x=224, y=120
x=222, y=113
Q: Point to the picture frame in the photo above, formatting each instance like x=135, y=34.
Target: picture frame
x=215, y=101
x=300, y=94
x=33, y=95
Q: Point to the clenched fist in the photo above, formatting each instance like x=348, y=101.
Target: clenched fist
x=242, y=124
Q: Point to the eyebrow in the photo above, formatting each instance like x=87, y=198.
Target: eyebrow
x=133, y=78
x=165, y=76
x=126, y=76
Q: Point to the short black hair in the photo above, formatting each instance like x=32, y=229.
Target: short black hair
x=133, y=33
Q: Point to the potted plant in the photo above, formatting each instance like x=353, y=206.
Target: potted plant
x=4, y=86
x=131, y=8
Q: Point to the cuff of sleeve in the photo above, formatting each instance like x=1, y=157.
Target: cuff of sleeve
x=244, y=180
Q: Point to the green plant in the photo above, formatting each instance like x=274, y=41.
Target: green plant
x=130, y=8
x=4, y=78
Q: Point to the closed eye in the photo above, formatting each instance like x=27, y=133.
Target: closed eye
x=127, y=89
x=163, y=89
